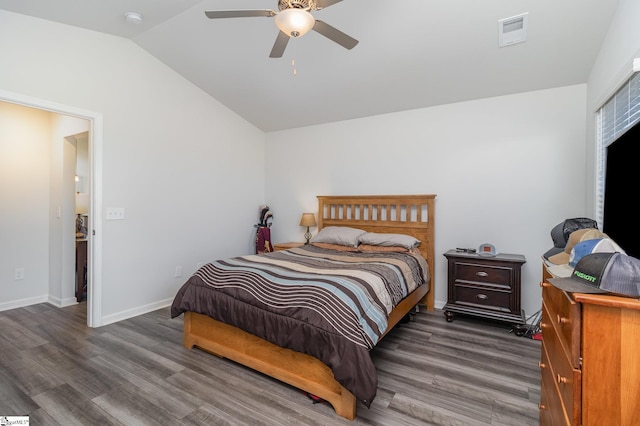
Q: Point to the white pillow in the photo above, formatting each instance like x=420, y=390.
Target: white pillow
x=341, y=235
x=389, y=240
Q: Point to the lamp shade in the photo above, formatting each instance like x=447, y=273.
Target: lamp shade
x=308, y=219
x=294, y=22
x=82, y=203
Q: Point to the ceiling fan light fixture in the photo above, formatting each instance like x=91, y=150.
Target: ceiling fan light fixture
x=294, y=22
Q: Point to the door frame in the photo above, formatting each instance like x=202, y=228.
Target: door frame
x=94, y=267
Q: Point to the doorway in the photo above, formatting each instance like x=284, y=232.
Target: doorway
x=82, y=195
x=58, y=202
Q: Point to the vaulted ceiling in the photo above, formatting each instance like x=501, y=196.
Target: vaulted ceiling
x=411, y=53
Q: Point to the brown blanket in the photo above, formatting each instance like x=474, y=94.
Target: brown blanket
x=329, y=304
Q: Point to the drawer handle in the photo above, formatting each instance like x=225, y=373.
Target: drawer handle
x=541, y=406
x=482, y=296
x=544, y=325
x=482, y=274
x=561, y=379
x=562, y=320
x=541, y=365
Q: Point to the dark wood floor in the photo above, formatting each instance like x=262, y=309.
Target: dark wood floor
x=136, y=372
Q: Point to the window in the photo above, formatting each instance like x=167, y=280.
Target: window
x=614, y=119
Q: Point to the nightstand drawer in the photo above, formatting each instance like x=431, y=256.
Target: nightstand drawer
x=495, y=299
x=478, y=273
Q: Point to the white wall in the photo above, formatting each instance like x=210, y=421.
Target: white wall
x=24, y=205
x=187, y=170
x=506, y=170
x=613, y=67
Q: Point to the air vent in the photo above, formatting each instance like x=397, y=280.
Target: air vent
x=512, y=30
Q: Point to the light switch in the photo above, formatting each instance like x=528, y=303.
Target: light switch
x=115, y=213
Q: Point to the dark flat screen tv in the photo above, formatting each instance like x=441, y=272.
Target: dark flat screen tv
x=622, y=183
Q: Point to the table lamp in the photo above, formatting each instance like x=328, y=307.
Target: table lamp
x=308, y=219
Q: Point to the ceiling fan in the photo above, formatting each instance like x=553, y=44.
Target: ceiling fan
x=293, y=19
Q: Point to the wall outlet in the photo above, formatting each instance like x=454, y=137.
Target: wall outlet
x=178, y=272
x=19, y=274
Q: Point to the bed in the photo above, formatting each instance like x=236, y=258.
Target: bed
x=280, y=343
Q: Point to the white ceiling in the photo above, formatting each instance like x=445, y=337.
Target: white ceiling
x=412, y=53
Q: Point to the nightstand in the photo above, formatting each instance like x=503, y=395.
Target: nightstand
x=284, y=246
x=487, y=287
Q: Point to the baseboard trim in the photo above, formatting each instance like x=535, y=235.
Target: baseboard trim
x=21, y=303
x=134, y=312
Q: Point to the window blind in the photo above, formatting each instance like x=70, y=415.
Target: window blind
x=621, y=111
x=614, y=118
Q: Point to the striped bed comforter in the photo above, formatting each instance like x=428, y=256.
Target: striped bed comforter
x=330, y=304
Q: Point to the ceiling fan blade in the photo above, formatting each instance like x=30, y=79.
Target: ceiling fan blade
x=335, y=34
x=326, y=3
x=215, y=14
x=278, y=47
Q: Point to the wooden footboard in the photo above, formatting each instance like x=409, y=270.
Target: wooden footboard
x=295, y=368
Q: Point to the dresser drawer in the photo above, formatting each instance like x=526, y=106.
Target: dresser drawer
x=480, y=273
x=552, y=409
x=564, y=315
x=567, y=379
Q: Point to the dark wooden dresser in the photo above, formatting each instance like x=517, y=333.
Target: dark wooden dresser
x=81, y=268
x=590, y=362
x=487, y=287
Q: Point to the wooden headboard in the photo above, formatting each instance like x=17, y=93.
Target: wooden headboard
x=397, y=214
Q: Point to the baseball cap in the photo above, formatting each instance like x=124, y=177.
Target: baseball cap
x=598, y=245
x=575, y=238
x=614, y=273
x=560, y=233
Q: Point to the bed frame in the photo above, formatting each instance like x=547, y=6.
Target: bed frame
x=401, y=214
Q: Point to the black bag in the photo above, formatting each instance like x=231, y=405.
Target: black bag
x=263, y=234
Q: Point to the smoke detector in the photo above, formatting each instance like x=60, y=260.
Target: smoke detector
x=133, y=17
x=512, y=30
